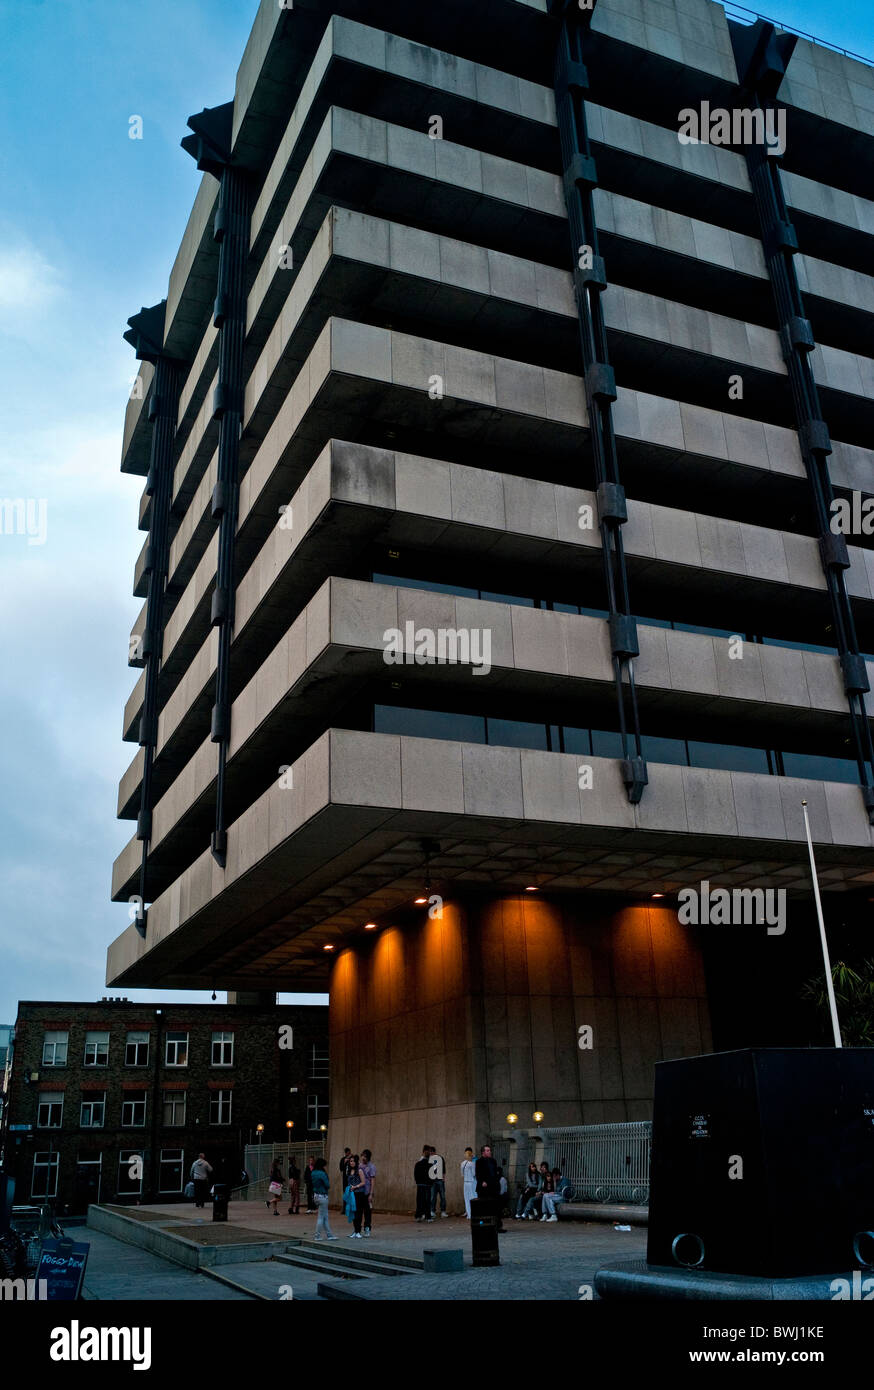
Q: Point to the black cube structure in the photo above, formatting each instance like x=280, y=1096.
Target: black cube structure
x=763, y=1162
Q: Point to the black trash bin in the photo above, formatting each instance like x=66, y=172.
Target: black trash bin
x=484, y=1220
x=220, y=1196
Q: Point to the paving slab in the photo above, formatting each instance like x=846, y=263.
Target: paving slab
x=119, y=1272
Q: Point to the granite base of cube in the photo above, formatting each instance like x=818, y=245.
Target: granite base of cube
x=443, y=1261
x=484, y=1221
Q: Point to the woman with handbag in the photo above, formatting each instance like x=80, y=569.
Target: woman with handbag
x=275, y=1188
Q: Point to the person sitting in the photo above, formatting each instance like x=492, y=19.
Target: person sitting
x=533, y=1207
x=530, y=1189
x=504, y=1193
x=553, y=1199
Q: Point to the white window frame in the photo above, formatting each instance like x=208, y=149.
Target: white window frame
x=124, y=1162
x=92, y=1103
x=50, y=1163
x=221, y=1041
x=142, y=1039
x=127, y=1101
x=319, y=1061
x=165, y=1163
x=221, y=1102
x=51, y=1099
x=315, y=1106
x=172, y=1099
x=53, y=1040
x=98, y=1040
x=174, y=1040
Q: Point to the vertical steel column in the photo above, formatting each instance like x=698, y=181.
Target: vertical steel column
x=762, y=57
x=146, y=334
x=590, y=280
x=211, y=146
x=232, y=230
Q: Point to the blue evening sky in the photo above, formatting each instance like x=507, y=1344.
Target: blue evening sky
x=90, y=221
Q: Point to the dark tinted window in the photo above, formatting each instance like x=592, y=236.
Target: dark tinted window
x=427, y=723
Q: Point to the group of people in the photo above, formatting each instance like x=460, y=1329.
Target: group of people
x=357, y=1177
x=540, y=1195
x=429, y=1175
x=542, y=1192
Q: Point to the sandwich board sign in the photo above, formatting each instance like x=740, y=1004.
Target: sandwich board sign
x=62, y=1266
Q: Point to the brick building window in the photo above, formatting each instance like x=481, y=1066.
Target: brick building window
x=317, y=1111
x=44, y=1180
x=50, y=1111
x=222, y=1049
x=170, y=1170
x=93, y=1110
x=54, y=1049
x=96, y=1050
x=133, y=1110
x=130, y=1173
x=136, y=1050
x=174, y=1109
x=319, y=1062
x=176, y=1050
x=220, y=1107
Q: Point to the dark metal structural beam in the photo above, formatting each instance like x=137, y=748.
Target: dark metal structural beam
x=762, y=56
x=210, y=145
x=590, y=280
x=146, y=336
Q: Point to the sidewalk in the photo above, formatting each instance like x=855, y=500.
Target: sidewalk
x=118, y=1271
x=538, y=1261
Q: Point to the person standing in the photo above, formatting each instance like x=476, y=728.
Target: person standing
x=293, y=1189
x=364, y=1210
x=321, y=1188
x=488, y=1188
x=344, y=1170
x=308, y=1183
x=275, y=1186
x=200, y=1174
x=354, y=1186
x=468, y=1179
x=422, y=1179
x=437, y=1176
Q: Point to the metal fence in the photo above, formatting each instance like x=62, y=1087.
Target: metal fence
x=605, y=1163
x=258, y=1161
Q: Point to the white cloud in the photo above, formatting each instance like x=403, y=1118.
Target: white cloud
x=28, y=282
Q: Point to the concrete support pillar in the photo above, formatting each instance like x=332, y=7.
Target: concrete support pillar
x=439, y=1029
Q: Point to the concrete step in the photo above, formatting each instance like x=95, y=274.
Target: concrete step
x=222, y=1278
x=328, y=1257
x=333, y=1268
x=362, y=1250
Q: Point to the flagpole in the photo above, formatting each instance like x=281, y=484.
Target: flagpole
x=829, y=984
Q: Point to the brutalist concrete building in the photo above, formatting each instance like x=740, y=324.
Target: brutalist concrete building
x=506, y=434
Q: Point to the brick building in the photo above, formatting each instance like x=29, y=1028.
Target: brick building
x=113, y=1100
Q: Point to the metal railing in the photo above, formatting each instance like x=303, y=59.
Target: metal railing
x=258, y=1161
x=604, y=1163
x=745, y=16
